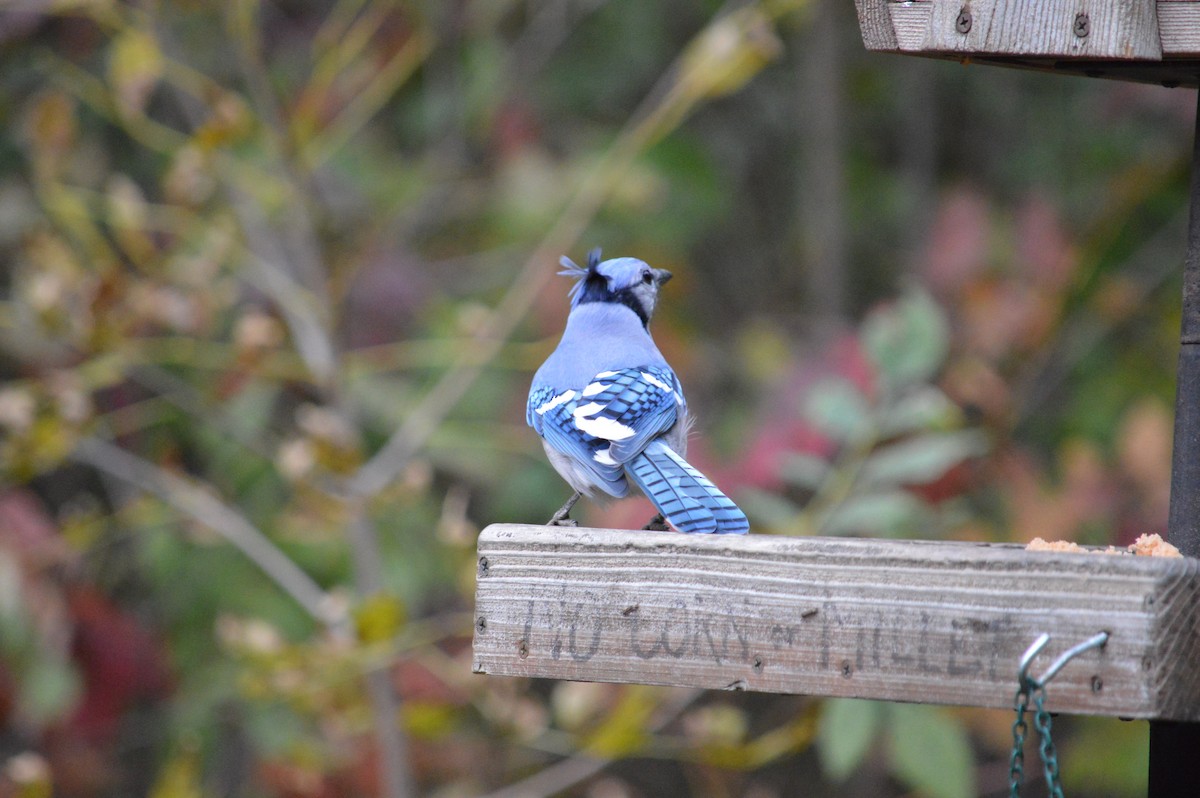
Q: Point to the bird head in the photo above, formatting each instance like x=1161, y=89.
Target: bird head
x=624, y=281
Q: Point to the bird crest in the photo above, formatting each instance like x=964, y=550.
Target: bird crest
x=582, y=276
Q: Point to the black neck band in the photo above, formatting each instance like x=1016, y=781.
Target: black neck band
x=598, y=292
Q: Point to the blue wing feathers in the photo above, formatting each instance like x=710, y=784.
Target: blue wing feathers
x=555, y=422
x=611, y=430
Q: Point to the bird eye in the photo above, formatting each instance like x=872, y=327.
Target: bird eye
x=647, y=278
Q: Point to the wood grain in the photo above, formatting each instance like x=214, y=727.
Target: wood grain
x=1179, y=27
x=875, y=23
x=1144, y=41
x=920, y=621
x=1115, y=29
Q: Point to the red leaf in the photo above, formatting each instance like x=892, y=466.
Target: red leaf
x=120, y=661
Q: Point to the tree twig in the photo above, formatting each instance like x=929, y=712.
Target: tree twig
x=213, y=513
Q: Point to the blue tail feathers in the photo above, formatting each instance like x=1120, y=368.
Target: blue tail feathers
x=685, y=497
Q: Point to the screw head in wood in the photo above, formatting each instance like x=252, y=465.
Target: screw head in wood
x=962, y=23
x=1083, y=25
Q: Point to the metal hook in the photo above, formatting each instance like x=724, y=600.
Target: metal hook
x=1028, y=682
x=1023, y=677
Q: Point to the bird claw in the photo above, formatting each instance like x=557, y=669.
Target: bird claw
x=657, y=524
x=560, y=518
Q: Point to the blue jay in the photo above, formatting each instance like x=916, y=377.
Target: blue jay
x=610, y=410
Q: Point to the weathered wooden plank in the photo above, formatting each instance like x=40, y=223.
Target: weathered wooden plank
x=1154, y=41
x=923, y=621
x=1093, y=29
x=875, y=22
x=911, y=23
x=1179, y=27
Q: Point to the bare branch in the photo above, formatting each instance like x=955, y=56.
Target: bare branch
x=393, y=743
x=213, y=513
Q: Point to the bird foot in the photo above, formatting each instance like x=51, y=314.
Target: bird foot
x=657, y=524
x=561, y=518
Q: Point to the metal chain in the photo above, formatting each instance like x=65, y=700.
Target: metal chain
x=1016, y=762
x=1041, y=722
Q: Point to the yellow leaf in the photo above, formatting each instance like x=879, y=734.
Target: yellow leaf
x=624, y=731
x=134, y=66
x=229, y=120
x=379, y=618
x=50, y=127
x=427, y=720
x=731, y=51
x=180, y=776
x=104, y=370
x=50, y=442
x=786, y=740
x=127, y=214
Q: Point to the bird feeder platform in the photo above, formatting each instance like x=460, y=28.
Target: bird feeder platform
x=1139, y=40
x=918, y=621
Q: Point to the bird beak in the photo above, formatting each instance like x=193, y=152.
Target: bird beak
x=662, y=275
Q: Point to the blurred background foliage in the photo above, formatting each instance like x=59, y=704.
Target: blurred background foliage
x=275, y=276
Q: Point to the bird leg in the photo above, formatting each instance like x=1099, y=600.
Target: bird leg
x=657, y=524
x=560, y=518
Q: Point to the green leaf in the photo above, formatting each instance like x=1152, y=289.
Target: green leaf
x=384, y=399
x=805, y=470
x=907, y=341
x=48, y=689
x=769, y=509
x=838, y=409
x=251, y=412
x=923, y=459
x=891, y=513
x=926, y=408
x=931, y=752
x=1106, y=756
x=844, y=734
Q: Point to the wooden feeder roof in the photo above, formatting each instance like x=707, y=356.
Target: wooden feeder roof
x=1151, y=41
